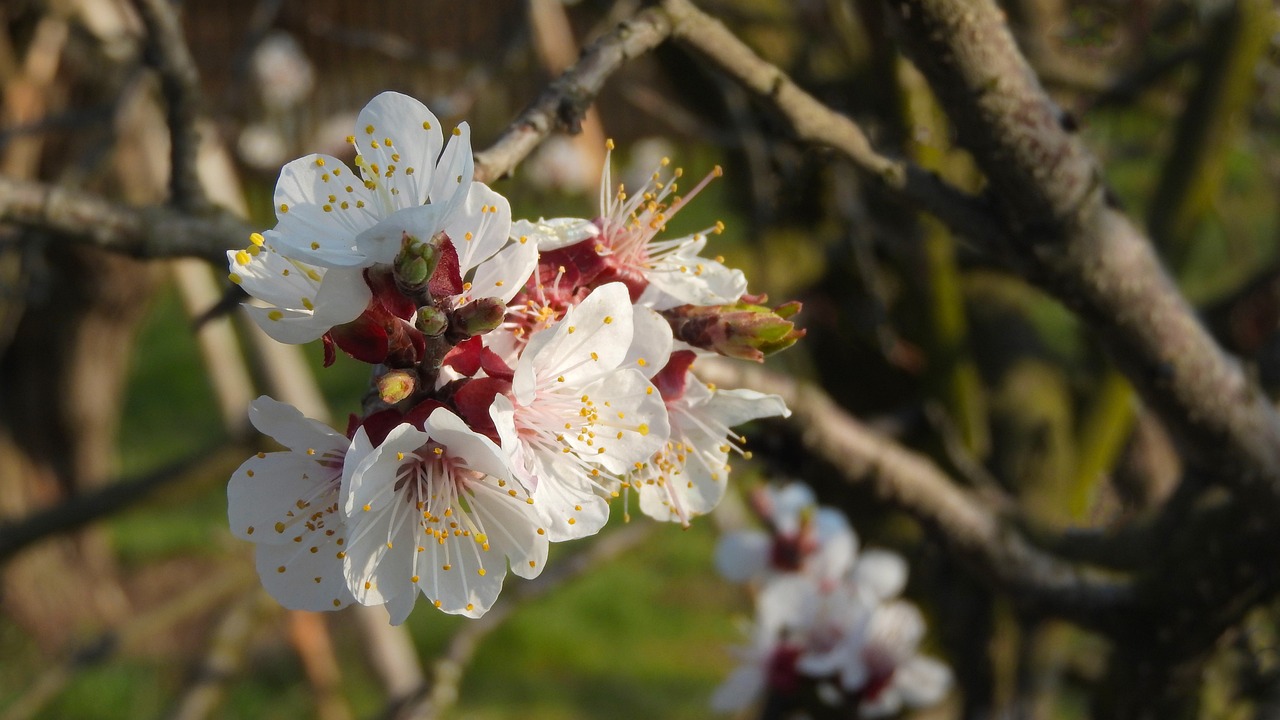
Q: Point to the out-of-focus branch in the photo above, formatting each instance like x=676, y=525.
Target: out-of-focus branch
x=564, y=103
x=1079, y=247
x=442, y=692
x=215, y=590
x=224, y=659
x=149, y=232
x=85, y=508
x=815, y=123
x=911, y=482
x=166, y=50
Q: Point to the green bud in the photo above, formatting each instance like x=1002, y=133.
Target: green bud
x=479, y=316
x=396, y=385
x=414, y=265
x=431, y=321
x=740, y=330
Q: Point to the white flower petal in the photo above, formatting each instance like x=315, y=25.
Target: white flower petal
x=881, y=573
x=505, y=274
x=380, y=243
x=370, y=486
x=300, y=578
x=478, y=226
x=309, y=232
x=651, y=339
x=452, y=177
x=555, y=233
x=265, y=493
x=287, y=425
x=922, y=681
x=401, y=136
x=743, y=555
x=479, y=452
x=599, y=325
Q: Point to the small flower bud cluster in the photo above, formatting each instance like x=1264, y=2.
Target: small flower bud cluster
x=525, y=372
x=831, y=635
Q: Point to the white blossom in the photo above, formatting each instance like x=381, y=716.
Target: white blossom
x=436, y=511
x=288, y=504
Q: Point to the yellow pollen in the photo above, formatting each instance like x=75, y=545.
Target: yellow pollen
x=368, y=129
x=717, y=171
x=275, y=315
x=438, y=451
x=595, y=356
x=571, y=329
x=413, y=579
x=328, y=208
x=249, y=531
x=280, y=569
x=351, y=138
x=608, y=319
x=242, y=257
x=541, y=531
x=642, y=362
x=470, y=607
x=643, y=429
x=572, y=521
x=446, y=566
x=367, y=508
x=337, y=602
x=235, y=278
x=315, y=245
x=319, y=162
x=608, y=144
x=480, y=572
x=533, y=563
x=257, y=239
x=457, y=131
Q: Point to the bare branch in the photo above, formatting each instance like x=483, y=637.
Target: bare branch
x=914, y=484
x=1081, y=249
x=87, y=507
x=565, y=102
x=815, y=123
x=139, y=232
x=166, y=50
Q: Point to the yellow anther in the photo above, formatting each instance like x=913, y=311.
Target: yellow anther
x=368, y=129
x=284, y=208
x=275, y=315
x=319, y=162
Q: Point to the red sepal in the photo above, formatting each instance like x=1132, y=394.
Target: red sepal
x=446, y=281
x=473, y=401
x=673, y=378
x=330, y=355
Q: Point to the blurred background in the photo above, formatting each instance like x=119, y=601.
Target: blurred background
x=151, y=609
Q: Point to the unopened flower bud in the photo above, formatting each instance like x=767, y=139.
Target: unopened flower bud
x=396, y=385
x=479, y=316
x=431, y=321
x=414, y=265
x=740, y=330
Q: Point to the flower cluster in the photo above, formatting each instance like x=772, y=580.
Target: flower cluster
x=830, y=629
x=525, y=372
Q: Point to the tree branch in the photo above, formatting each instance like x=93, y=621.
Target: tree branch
x=88, y=507
x=166, y=50
x=150, y=232
x=563, y=104
x=1052, y=200
x=911, y=482
x=815, y=123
